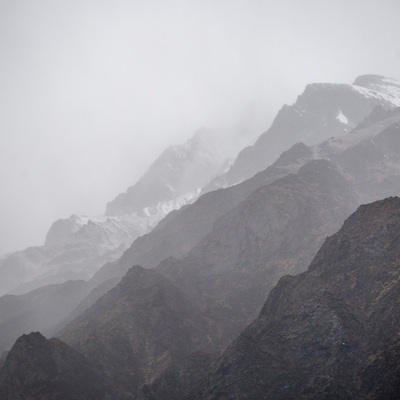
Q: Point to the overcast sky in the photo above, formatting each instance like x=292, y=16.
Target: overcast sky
x=91, y=91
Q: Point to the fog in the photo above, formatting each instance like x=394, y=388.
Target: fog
x=92, y=91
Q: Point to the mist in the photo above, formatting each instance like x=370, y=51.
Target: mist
x=92, y=91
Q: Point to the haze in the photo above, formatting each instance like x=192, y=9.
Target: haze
x=92, y=91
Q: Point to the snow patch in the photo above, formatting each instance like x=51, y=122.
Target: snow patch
x=342, y=118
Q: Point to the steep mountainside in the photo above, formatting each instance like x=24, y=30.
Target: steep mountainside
x=331, y=332
x=322, y=111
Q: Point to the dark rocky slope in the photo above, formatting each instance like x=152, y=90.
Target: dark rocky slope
x=37, y=368
x=331, y=332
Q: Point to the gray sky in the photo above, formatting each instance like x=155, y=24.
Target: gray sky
x=92, y=90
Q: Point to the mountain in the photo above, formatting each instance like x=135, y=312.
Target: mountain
x=322, y=111
x=331, y=332
x=37, y=368
x=76, y=247
x=369, y=157
x=178, y=171
x=212, y=263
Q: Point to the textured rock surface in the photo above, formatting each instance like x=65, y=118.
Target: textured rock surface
x=331, y=332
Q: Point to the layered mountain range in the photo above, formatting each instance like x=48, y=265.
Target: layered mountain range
x=76, y=247
x=161, y=321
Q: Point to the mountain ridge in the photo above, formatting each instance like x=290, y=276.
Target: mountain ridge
x=321, y=111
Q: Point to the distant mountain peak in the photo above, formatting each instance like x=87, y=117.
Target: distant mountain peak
x=179, y=170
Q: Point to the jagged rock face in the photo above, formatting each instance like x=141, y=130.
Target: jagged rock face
x=138, y=329
x=326, y=332
x=178, y=171
x=322, y=111
x=37, y=368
